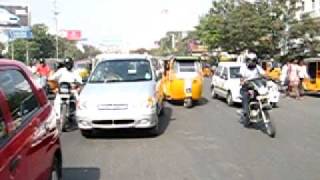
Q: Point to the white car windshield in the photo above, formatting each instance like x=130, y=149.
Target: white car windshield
x=122, y=71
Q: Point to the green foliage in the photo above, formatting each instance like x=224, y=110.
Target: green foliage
x=264, y=27
x=43, y=45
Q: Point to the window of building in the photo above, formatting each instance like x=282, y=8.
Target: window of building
x=313, y=4
x=21, y=99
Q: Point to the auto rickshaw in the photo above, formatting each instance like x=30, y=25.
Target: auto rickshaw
x=312, y=85
x=183, y=80
x=272, y=69
x=83, y=67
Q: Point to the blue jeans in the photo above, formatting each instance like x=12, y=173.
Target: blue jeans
x=245, y=100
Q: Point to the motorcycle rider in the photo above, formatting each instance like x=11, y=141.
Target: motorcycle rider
x=65, y=74
x=248, y=71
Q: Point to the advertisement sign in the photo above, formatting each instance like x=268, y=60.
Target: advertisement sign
x=14, y=16
x=20, y=33
x=72, y=35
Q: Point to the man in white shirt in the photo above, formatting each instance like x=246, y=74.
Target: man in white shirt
x=65, y=74
x=248, y=71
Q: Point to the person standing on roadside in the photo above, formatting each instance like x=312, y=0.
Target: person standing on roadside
x=303, y=74
x=293, y=77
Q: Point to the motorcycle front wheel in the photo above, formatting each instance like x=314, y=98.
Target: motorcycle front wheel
x=63, y=118
x=269, y=124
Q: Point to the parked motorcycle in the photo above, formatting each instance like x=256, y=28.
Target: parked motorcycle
x=67, y=93
x=259, y=105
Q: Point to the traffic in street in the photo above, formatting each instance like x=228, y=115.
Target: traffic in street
x=203, y=143
x=160, y=90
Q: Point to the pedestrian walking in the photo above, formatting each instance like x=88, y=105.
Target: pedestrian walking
x=293, y=77
x=303, y=75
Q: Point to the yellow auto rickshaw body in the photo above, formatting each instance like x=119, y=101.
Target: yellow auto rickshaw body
x=83, y=67
x=272, y=69
x=183, y=78
x=313, y=69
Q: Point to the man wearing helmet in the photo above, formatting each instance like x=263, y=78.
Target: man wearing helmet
x=65, y=75
x=248, y=71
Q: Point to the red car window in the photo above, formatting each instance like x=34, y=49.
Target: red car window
x=22, y=102
x=2, y=127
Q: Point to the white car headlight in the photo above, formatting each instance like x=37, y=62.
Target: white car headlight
x=149, y=103
x=83, y=105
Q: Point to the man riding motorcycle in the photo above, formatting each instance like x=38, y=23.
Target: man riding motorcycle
x=249, y=71
x=65, y=75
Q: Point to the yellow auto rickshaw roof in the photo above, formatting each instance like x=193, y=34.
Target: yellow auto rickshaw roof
x=186, y=58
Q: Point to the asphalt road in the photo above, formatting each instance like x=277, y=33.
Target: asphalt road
x=203, y=143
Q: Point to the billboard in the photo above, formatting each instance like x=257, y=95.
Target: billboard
x=14, y=16
x=72, y=35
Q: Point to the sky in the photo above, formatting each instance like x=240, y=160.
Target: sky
x=126, y=23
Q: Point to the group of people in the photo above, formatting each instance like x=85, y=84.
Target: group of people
x=293, y=74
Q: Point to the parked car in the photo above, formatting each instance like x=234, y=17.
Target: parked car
x=29, y=141
x=226, y=82
x=7, y=18
x=122, y=92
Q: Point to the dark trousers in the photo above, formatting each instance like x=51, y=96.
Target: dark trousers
x=245, y=100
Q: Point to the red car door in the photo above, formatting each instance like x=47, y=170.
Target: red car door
x=4, y=131
x=23, y=107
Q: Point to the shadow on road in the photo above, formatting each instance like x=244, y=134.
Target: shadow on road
x=81, y=173
x=135, y=133
x=201, y=102
x=313, y=95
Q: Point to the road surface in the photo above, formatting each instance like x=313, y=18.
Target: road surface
x=203, y=143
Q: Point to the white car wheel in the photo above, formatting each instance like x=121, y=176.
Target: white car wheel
x=229, y=99
x=213, y=93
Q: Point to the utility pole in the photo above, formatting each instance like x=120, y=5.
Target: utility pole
x=56, y=13
x=29, y=24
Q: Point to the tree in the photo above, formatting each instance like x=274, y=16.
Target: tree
x=264, y=27
x=44, y=41
x=90, y=51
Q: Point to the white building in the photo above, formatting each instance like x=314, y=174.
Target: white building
x=311, y=7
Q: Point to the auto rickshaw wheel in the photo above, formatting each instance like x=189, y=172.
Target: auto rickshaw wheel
x=187, y=103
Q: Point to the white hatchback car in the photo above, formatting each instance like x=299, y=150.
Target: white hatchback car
x=226, y=82
x=122, y=92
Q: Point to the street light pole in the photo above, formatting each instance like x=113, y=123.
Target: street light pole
x=29, y=24
x=56, y=13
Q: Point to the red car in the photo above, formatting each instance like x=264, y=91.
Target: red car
x=29, y=141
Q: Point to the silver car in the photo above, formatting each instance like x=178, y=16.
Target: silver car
x=122, y=92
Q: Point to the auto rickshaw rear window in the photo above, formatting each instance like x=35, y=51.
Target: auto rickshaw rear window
x=186, y=66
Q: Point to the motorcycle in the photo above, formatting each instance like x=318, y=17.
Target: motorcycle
x=67, y=94
x=259, y=105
